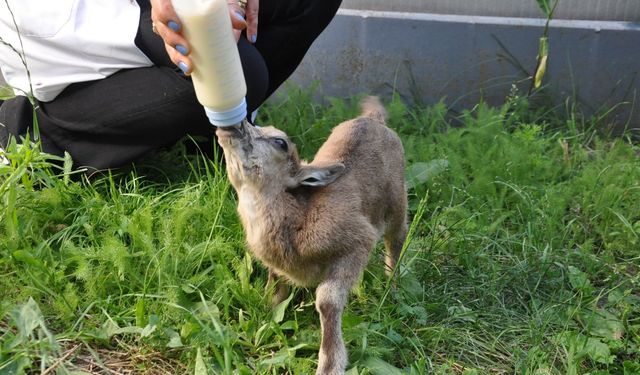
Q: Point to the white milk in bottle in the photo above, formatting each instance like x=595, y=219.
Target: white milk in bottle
x=217, y=72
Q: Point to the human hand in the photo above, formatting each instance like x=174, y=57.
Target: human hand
x=168, y=26
x=253, y=6
x=250, y=13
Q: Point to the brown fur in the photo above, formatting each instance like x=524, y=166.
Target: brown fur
x=315, y=224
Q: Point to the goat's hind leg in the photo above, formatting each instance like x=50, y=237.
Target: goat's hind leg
x=280, y=288
x=396, y=231
x=393, y=241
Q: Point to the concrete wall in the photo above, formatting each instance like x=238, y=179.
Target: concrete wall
x=608, y=10
x=467, y=58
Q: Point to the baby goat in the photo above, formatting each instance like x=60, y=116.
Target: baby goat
x=315, y=224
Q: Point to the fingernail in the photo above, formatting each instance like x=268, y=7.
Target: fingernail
x=173, y=26
x=180, y=48
x=183, y=67
x=254, y=37
x=240, y=16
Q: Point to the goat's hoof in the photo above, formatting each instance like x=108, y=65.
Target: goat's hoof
x=331, y=369
x=330, y=372
x=280, y=294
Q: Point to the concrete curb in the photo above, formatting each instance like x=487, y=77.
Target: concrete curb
x=471, y=58
x=610, y=10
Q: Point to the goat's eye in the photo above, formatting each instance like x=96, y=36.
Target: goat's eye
x=281, y=143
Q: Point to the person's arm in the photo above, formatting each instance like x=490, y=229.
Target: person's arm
x=168, y=26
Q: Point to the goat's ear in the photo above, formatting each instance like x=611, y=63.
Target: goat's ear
x=319, y=176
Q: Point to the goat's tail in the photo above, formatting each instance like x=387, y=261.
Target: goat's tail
x=373, y=108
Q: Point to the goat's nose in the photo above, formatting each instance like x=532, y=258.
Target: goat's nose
x=240, y=128
x=234, y=131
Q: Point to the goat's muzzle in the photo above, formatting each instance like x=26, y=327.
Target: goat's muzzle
x=235, y=131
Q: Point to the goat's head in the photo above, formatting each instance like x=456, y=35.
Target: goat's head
x=266, y=160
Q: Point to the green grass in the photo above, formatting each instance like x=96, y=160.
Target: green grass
x=525, y=259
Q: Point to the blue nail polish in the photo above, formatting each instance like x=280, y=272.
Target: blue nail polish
x=173, y=26
x=183, y=67
x=239, y=16
x=180, y=48
x=254, y=37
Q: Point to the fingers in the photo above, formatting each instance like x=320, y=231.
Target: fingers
x=237, y=18
x=237, y=21
x=183, y=62
x=169, y=28
x=242, y=19
x=237, y=15
x=162, y=12
x=252, y=20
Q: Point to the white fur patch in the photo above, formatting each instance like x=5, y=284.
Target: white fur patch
x=248, y=208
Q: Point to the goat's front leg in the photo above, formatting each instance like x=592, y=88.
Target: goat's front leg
x=331, y=297
x=281, y=289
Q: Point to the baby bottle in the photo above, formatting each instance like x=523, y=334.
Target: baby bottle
x=217, y=72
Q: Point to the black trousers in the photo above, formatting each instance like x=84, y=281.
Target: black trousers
x=111, y=122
